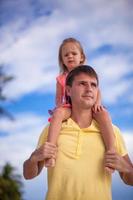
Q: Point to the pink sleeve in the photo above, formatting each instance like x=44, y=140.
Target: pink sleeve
x=61, y=79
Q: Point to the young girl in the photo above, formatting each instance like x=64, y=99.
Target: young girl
x=71, y=55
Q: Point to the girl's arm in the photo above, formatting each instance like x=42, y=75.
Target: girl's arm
x=98, y=105
x=99, y=98
x=58, y=94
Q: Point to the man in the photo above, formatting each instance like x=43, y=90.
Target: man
x=79, y=173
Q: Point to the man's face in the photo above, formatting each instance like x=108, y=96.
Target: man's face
x=84, y=91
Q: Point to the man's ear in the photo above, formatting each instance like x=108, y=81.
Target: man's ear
x=68, y=90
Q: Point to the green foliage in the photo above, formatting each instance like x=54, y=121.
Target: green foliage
x=10, y=184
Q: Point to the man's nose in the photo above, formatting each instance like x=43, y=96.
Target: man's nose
x=88, y=87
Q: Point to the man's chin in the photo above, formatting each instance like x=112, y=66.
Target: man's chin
x=87, y=106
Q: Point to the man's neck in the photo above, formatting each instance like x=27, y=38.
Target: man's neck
x=82, y=117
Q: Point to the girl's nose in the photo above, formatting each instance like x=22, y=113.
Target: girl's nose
x=70, y=55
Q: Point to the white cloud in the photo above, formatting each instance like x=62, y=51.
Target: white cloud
x=31, y=51
x=112, y=70
x=22, y=138
x=32, y=58
x=26, y=120
x=128, y=137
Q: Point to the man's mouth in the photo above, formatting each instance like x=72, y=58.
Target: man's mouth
x=88, y=96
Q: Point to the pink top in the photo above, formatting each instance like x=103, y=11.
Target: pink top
x=61, y=79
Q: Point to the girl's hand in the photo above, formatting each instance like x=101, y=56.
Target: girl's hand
x=97, y=108
x=101, y=115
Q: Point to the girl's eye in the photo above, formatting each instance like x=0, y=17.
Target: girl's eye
x=74, y=53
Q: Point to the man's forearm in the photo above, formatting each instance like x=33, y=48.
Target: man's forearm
x=122, y=164
x=128, y=176
x=30, y=169
x=33, y=166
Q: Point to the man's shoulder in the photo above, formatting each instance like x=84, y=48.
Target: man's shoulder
x=116, y=129
x=45, y=129
x=120, y=143
x=43, y=136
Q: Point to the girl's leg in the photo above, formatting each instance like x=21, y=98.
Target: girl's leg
x=60, y=114
x=105, y=124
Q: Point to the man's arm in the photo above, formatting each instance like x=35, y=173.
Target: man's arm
x=127, y=176
x=33, y=166
x=122, y=164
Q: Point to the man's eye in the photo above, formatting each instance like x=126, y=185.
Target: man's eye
x=94, y=85
x=82, y=83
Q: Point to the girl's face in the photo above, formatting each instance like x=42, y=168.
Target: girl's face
x=71, y=56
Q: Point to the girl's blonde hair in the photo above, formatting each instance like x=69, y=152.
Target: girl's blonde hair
x=63, y=68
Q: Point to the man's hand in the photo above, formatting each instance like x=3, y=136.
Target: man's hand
x=33, y=166
x=46, y=151
x=117, y=162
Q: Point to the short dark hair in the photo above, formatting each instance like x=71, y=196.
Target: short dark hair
x=86, y=69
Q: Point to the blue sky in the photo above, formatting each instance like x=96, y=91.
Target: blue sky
x=30, y=34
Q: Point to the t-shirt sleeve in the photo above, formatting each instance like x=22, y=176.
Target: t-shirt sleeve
x=61, y=79
x=58, y=79
x=120, y=144
x=43, y=137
